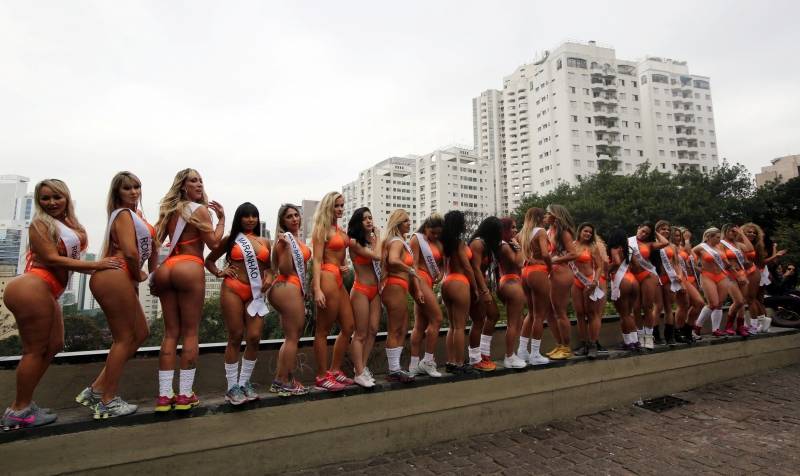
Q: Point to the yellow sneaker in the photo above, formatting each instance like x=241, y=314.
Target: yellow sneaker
x=556, y=349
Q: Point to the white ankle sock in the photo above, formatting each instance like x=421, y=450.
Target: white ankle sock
x=523, y=345
x=165, y=383
x=474, y=354
x=486, y=345
x=704, y=313
x=536, y=344
x=640, y=332
x=716, y=319
x=648, y=331
x=231, y=374
x=413, y=363
x=634, y=337
x=247, y=371
x=393, y=356
x=186, y=378
x=428, y=358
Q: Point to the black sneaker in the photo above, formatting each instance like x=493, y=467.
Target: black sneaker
x=600, y=348
x=591, y=351
x=450, y=368
x=582, y=350
x=399, y=376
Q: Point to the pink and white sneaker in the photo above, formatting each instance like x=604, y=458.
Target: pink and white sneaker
x=342, y=378
x=328, y=383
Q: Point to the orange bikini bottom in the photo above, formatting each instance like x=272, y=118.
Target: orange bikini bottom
x=716, y=277
x=370, y=291
x=174, y=259
x=333, y=269
x=394, y=280
x=239, y=288
x=456, y=277
x=533, y=268
x=56, y=288
x=509, y=277
x=289, y=278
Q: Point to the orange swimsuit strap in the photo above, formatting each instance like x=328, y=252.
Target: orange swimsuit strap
x=56, y=288
x=333, y=269
x=174, y=259
x=289, y=278
x=509, y=277
x=261, y=255
x=336, y=243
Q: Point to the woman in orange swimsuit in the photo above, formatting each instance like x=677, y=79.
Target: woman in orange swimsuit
x=509, y=290
x=561, y=235
x=715, y=281
x=180, y=283
x=643, y=247
x=130, y=239
x=32, y=297
x=399, y=266
x=535, y=276
x=485, y=247
x=668, y=257
x=329, y=243
x=428, y=315
x=245, y=251
x=458, y=286
x=740, y=253
x=624, y=288
x=587, y=305
x=287, y=295
x=689, y=301
x=755, y=234
x=365, y=253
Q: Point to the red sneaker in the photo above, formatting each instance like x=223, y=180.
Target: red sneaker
x=742, y=331
x=342, y=378
x=485, y=364
x=186, y=402
x=730, y=332
x=719, y=333
x=328, y=383
x=164, y=403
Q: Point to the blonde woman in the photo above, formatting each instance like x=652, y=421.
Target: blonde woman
x=287, y=295
x=184, y=217
x=56, y=241
x=717, y=286
x=536, y=255
x=588, y=289
x=760, y=258
x=561, y=233
x=328, y=245
x=129, y=238
x=399, y=266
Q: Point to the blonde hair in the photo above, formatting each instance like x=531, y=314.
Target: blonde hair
x=40, y=215
x=533, y=219
x=113, y=200
x=709, y=232
x=175, y=201
x=324, y=217
x=280, y=230
x=759, y=244
x=393, y=225
x=563, y=221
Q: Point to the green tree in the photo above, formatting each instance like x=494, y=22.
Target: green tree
x=81, y=333
x=11, y=346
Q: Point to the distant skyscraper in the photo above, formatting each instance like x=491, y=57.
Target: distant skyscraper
x=308, y=208
x=384, y=187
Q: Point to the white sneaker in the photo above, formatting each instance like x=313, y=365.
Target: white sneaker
x=368, y=373
x=514, y=362
x=415, y=370
x=648, y=342
x=538, y=359
x=641, y=340
x=754, y=326
x=364, y=380
x=764, y=327
x=428, y=368
x=523, y=354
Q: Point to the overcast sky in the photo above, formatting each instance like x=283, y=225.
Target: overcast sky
x=280, y=102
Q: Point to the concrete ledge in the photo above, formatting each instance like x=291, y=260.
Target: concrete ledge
x=282, y=437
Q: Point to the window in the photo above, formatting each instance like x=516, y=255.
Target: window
x=622, y=82
x=713, y=144
x=589, y=149
x=660, y=140
x=625, y=137
x=590, y=164
x=659, y=127
x=574, y=119
x=586, y=91
x=709, y=108
x=576, y=162
x=622, y=96
x=641, y=153
x=658, y=115
x=656, y=90
x=576, y=63
x=624, y=123
x=637, y=125
x=576, y=148
x=644, y=79
x=589, y=120
x=663, y=165
x=574, y=133
x=708, y=97
x=573, y=104
x=638, y=139
x=661, y=153
x=588, y=134
x=657, y=102
x=572, y=89
x=624, y=110
x=634, y=84
x=701, y=84
x=558, y=64
x=635, y=97
x=672, y=153
x=658, y=78
x=626, y=152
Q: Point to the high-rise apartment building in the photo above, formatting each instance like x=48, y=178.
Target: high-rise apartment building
x=384, y=187
x=781, y=169
x=16, y=211
x=579, y=108
x=307, y=210
x=455, y=178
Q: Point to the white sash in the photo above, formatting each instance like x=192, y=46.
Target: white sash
x=72, y=243
x=714, y=254
x=623, y=268
x=430, y=262
x=737, y=252
x=633, y=246
x=693, y=261
x=179, y=226
x=376, y=267
x=765, y=281
x=675, y=283
x=297, y=259
x=598, y=293
x=258, y=306
x=144, y=242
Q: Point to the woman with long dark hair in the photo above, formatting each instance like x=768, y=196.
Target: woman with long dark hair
x=56, y=241
x=365, y=253
x=287, y=295
x=624, y=287
x=180, y=282
x=643, y=247
x=485, y=247
x=509, y=261
x=671, y=277
x=242, y=297
x=428, y=261
x=689, y=301
x=588, y=288
x=561, y=233
x=458, y=287
x=130, y=238
x=535, y=275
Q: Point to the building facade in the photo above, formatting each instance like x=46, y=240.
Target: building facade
x=579, y=108
x=386, y=186
x=781, y=169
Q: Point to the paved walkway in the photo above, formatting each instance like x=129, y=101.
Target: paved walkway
x=744, y=426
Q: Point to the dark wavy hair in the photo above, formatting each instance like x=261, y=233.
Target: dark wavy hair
x=246, y=209
x=490, y=231
x=655, y=258
x=581, y=227
x=618, y=239
x=355, y=227
x=507, y=224
x=454, y=226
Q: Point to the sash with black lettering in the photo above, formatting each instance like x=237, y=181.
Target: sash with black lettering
x=737, y=252
x=144, y=241
x=633, y=246
x=674, y=281
x=597, y=293
x=297, y=259
x=714, y=254
x=427, y=254
x=258, y=306
x=72, y=243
